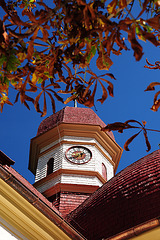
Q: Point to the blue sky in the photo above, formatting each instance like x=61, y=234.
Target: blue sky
x=19, y=125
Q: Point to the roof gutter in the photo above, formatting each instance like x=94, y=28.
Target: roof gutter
x=137, y=230
x=39, y=204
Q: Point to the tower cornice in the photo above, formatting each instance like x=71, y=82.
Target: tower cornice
x=76, y=130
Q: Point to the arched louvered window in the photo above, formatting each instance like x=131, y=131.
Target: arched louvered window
x=104, y=171
x=50, y=165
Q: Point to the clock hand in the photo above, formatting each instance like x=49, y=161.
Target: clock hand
x=81, y=154
x=75, y=155
x=78, y=155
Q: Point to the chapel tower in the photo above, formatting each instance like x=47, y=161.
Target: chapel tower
x=71, y=157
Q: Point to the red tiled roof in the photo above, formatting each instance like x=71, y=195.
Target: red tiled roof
x=130, y=198
x=71, y=115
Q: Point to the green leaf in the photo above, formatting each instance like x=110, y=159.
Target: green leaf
x=6, y=80
x=88, y=57
x=93, y=50
x=137, y=30
x=40, y=80
x=48, y=75
x=12, y=63
x=2, y=60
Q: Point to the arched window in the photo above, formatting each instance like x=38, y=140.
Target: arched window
x=50, y=165
x=104, y=171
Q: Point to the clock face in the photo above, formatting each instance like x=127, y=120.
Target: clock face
x=78, y=154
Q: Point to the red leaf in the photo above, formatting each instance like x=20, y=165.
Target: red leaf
x=156, y=106
x=105, y=95
x=3, y=34
x=90, y=102
x=150, y=37
x=56, y=95
x=147, y=141
x=122, y=4
x=116, y=126
x=30, y=50
x=26, y=105
x=154, y=22
x=156, y=95
x=133, y=121
x=45, y=35
x=17, y=96
x=36, y=102
x=87, y=89
x=130, y=140
x=103, y=62
x=110, y=87
x=92, y=73
x=135, y=45
x=52, y=102
x=151, y=86
x=44, y=105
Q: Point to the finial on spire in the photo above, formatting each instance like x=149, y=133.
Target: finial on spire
x=75, y=103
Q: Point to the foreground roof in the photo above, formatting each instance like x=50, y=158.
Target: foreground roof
x=4, y=159
x=130, y=198
x=12, y=182
x=71, y=115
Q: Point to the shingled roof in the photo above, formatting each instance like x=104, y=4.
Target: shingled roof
x=130, y=198
x=73, y=115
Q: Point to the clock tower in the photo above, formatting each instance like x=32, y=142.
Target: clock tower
x=71, y=157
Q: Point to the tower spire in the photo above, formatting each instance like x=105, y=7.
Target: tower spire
x=75, y=102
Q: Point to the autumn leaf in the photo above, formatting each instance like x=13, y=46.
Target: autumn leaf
x=4, y=100
x=30, y=50
x=90, y=101
x=151, y=86
x=111, y=8
x=36, y=102
x=156, y=105
x=130, y=140
x=3, y=34
x=52, y=102
x=152, y=66
x=122, y=4
x=104, y=96
x=21, y=56
x=146, y=140
x=45, y=34
x=44, y=105
x=117, y=126
x=154, y=22
x=110, y=87
x=135, y=45
x=87, y=89
x=103, y=62
x=34, y=78
x=71, y=98
x=150, y=37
